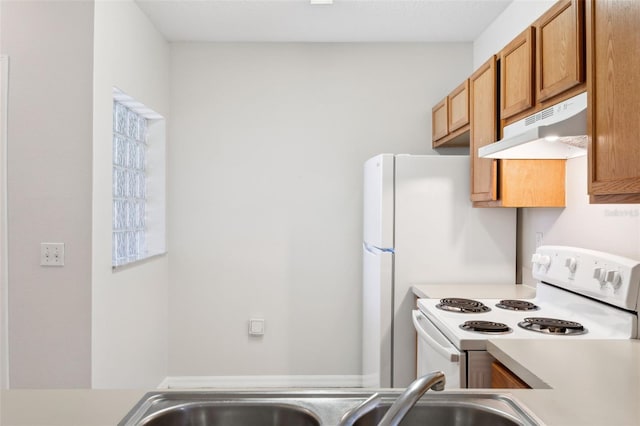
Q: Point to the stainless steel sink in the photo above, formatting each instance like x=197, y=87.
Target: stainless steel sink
x=231, y=413
x=320, y=407
x=445, y=413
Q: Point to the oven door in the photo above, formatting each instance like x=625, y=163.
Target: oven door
x=437, y=353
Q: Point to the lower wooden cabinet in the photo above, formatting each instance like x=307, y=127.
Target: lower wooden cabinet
x=503, y=378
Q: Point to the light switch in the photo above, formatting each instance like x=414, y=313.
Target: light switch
x=256, y=327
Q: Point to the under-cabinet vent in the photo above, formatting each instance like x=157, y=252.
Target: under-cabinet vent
x=555, y=132
x=539, y=116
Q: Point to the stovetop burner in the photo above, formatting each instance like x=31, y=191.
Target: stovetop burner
x=488, y=327
x=467, y=306
x=552, y=326
x=517, y=305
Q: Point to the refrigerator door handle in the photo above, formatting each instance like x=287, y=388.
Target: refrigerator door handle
x=377, y=250
x=448, y=352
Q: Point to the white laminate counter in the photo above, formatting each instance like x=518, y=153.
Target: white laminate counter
x=474, y=291
x=592, y=382
x=66, y=407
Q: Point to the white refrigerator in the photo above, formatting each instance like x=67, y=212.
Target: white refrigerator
x=419, y=228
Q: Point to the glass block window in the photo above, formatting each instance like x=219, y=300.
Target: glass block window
x=129, y=184
x=138, y=181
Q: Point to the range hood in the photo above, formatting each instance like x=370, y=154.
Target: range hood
x=556, y=132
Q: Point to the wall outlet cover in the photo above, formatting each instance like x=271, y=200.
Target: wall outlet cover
x=256, y=327
x=52, y=254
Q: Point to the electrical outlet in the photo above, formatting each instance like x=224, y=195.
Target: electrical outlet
x=52, y=254
x=538, y=239
x=256, y=327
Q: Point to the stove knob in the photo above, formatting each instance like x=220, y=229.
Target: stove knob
x=571, y=263
x=599, y=274
x=545, y=260
x=614, y=278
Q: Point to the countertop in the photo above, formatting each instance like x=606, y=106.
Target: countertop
x=590, y=382
x=66, y=407
x=474, y=291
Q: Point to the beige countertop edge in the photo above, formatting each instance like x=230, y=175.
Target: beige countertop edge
x=83, y=407
x=593, y=382
x=471, y=291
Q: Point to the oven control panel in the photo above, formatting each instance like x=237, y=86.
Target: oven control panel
x=603, y=276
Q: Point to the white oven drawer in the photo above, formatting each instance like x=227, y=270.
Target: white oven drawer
x=436, y=353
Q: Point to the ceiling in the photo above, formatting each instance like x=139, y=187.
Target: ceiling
x=342, y=21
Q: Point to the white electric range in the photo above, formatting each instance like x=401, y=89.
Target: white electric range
x=581, y=294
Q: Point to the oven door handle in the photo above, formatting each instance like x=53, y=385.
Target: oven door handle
x=450, y=353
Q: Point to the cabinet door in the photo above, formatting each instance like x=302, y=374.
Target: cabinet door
x=439, y=120
x=614, y=100
x=483, y=130
x=503, y=378
x=559, y=49
x=516, y=75
x=458, y=102
x=532, y=183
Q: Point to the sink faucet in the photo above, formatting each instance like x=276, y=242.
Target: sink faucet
x=410, y=396
x=360, y=410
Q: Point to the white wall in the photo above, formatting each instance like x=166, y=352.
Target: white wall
x=130, y=305
x=50, y=45
x=613, y=228
x=511, y=22
x=265, y=172
x=4, y=349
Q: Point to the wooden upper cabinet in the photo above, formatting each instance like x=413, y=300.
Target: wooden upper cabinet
x=440, y=121
x=545, y=64
x=458, y=106
x=506, y=183
x=483, y=130
x=532, y=183
x=560, y=49
x=613, y=61
x=450, y=118
x=517, y=74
